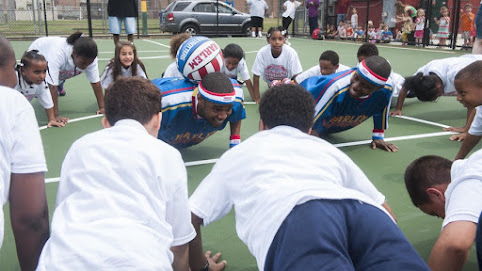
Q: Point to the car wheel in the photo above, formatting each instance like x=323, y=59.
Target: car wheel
x=247, y=30
x=190, y=29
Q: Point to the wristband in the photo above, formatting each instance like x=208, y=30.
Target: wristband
x=206, y=267
x=234, y=140
x=378, y=134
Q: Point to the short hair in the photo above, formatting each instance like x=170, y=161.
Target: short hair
x=132, y=98
x=176, y=42
x=287, y=104
x=7, y=51
x=217, y=82
x=423, y=173
x=424, y=86
x=83, y=46
x=471, y=74
x=379, y=66
x=331, y=56
x=367, y=49
x=234, y=51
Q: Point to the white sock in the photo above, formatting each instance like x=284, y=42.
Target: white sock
x=260, y=34
x=253, y=34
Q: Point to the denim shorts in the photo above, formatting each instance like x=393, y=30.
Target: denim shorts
x=115, y=25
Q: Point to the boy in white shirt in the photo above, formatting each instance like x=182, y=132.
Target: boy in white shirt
x=329, y=63
x=122, y=196
x=285, y=184
x=22, y=166
x=450, y=191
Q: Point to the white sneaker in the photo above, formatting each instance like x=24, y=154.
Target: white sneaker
x=253, y=34
x=260, y=35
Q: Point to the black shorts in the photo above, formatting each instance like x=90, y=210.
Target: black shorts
x=257, y=21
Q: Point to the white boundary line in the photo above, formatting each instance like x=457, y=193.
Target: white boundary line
x=158, y=43
x=109, y=52
x=339, y=145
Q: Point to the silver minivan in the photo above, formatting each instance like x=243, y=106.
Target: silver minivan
x=204, y=17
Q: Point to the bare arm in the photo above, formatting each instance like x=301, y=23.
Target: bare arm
x=256, y=86
x=235, y=127
x=55, y=98
x=29, y=216
x=250, y=87
x=197, y=259
x=99, y=96
x=469, y=143
x=452, y=247
x=181, y=257
x=400, y=100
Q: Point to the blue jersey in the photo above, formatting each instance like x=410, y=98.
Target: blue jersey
x=337, y=111
x=180, y=125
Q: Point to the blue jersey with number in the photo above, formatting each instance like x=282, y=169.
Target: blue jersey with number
x=180, y=126
x=337, y=111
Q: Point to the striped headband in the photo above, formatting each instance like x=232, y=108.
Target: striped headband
x=370, y=76
x=219, y=98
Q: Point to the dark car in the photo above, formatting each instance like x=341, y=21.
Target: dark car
x=204, y=17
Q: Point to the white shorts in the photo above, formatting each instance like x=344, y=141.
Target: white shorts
x=115, y=25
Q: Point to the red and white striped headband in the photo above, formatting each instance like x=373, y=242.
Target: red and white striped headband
x=219, y=98
x=370, y=76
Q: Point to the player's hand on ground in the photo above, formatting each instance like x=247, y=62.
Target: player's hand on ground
x=396, y=112
x=56, y=123
x=60, y=119
x=382, y=144
x=214, y=265
x=100, y=111
x=455, y=129
x=458, y=137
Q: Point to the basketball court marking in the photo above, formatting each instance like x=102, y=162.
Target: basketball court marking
x=158, y=43
x=339, y=145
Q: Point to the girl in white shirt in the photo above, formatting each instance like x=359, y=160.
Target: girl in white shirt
x=124, y=64
x=31, y=72
x=234, y=63
x=276, y=60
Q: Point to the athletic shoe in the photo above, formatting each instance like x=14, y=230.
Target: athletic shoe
x=260, y=35
x=411, y=94
x=62, y=92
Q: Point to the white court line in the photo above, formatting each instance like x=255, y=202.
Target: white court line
x=158, y=43
x=75, y=120
x=339, y=145
x=423, y=121
x=158, y=51
x=144, y=57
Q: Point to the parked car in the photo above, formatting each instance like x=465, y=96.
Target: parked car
x=70, y=15
x=200, y=17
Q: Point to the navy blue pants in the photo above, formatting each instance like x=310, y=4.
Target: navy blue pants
x=340, y=235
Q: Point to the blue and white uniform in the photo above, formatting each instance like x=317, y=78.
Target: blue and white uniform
x=181, y=126
x=337, y=111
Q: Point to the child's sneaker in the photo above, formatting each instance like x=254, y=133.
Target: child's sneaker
x=260, y=35
x=62, y=92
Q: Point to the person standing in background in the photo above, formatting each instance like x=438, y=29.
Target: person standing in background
x=257, y=9
x=312, y=6
x=289, y=8
x=122, y=10
x=341, y=10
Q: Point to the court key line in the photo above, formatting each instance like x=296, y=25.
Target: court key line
x=339, y=145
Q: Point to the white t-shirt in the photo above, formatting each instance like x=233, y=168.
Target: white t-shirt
x=242, y=69
x=316, y=71
x=257, y=7
x=476, y=126
x=290, y=8
x=21, y=147
x=172, y=71
x=41, y=92
x=106, y=78
x=274, y=171
x=59, y=57
x=121, y=203
x=447, y=68
x=396, y=82
x=286, y=65
x=463, y=201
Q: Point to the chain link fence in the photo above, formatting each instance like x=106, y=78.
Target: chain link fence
x=24, y=19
